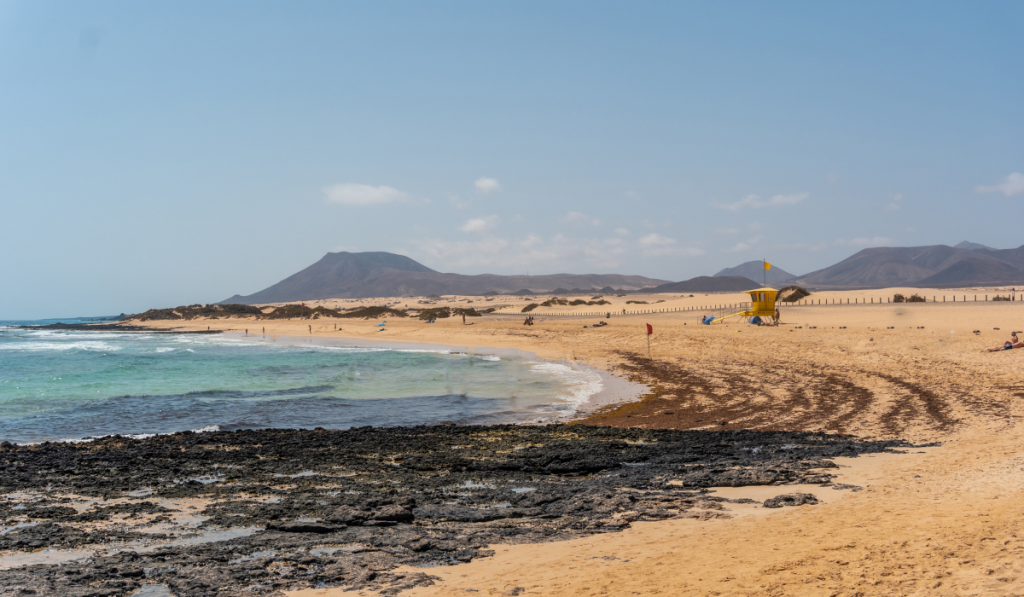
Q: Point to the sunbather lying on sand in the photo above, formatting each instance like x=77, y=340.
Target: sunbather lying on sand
x=1013, y=342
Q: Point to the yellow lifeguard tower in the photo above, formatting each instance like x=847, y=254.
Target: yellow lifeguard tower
x=762, y=304
x=762, y=300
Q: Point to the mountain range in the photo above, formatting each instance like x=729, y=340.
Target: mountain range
x=931, y=266
x=378, y=274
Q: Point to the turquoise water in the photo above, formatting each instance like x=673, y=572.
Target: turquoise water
x=69, y=385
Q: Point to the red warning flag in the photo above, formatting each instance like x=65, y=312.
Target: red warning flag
x=650, y=330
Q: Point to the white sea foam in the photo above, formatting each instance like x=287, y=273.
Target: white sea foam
x=489, y=357
x=41, y=346
x=165, y=349
x=83, y=440
x=580, y=385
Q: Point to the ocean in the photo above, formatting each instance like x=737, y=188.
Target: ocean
x=72, y=385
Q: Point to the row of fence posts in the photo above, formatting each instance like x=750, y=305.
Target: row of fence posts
x=803, y=303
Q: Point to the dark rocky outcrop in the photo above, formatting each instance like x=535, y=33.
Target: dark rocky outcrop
x=345, y=508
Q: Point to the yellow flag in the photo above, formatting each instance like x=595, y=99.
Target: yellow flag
x=767, y=266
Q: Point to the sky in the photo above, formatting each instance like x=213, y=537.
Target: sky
x=154, y=154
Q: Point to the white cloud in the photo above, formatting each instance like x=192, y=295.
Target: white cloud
x=655, y=240
x=745, y=245
x=494, y=254
x=363, y=194
x=487, y=185
x=622, y=232
x=479, y=225
x=892, y=207
x=656, y=245
x=575, y=217
x=458, y=202
x=874, y=241
x=497, y=254
x=896, y=196
x=755, y=201
x=1013, y=185
x=531, y=240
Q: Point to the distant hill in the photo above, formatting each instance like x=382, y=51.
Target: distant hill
x=969, y=245
x=937, y=265
x=754, y=270
x=706, y=284
x=379, y=274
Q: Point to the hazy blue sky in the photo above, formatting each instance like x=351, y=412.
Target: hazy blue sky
x=154, y=154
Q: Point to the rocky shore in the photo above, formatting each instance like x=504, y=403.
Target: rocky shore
x=257, y=512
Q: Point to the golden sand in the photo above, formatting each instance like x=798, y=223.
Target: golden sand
x=938, y=521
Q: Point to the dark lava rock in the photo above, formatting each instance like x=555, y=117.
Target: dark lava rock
x=315, y=508
x=791, y=499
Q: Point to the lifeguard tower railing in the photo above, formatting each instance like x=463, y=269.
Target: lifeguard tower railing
x=724, y=311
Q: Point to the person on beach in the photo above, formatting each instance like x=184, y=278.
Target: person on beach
x=777, y=316
x=1013, y=342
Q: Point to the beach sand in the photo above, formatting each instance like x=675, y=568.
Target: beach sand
x=944, y=520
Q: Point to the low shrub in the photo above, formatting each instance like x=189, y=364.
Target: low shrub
x=302, y=312
x=899, y=298
x=914, y=298
x=529, y=307
x=436, y=313
x=374, y=313
x=792, y=294
x=195, y=311
x=1001, y=298
x=636, y=302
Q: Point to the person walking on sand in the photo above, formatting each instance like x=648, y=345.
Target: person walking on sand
x=777, y=317
x=1013, y=342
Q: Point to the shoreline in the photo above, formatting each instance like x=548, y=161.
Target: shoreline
x=939, y=521
x=573, y=397
x=614, y=390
